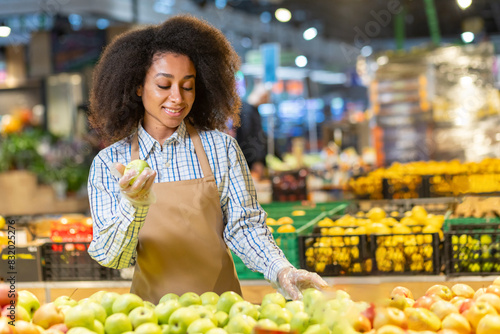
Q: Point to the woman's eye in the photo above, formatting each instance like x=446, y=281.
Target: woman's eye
x=163, y=87
x=188, y=88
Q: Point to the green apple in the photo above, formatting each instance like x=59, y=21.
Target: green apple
x=222, y=318
x=22, y=314
x=29, y=301
x=276, y=313
x=209, y=298
x=227, y=299
x=266, y=324
x=180, y=320
x=107, y=301
x=117, y=323
x=342, y=326
x=80, y=330
x=284, y=327
x=126, y=302
x=164, y=329
x=300, y=322
x=98, y=327
x=46, y=315
x=138, y=166
x=240, y=323
x=168, y=296
x=295, y=306
x=99, y=311
x=84, y=300
x=141, y=315
x=189, y=298
x=97, y=296
x=200, y=326
x=150, y=305
x=65, y=300
x=80, y=316
x=312, y=298
x=217, y=331
x=273, y=298
x=341, y=294
x=244, y=307
x=165, y=309
x=204, y=313
x=317, y=329
x=148, y=328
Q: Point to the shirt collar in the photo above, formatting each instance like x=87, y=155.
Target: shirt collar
x=147, y=143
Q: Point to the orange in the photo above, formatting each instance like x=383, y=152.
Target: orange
x=287, y=228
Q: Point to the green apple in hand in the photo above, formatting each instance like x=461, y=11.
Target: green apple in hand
x=141, y=315
x=107, y=301
x=244, y=307
x=29, y=301
x=148, y=328
x=165, y=309
x=273, y=298
x=227, y=299
x=168, y=296
x=80, y=316
x=126, y=302
x=189, y=298
x=200, y=326
x=209, y=298
x=180, y=320
x=117, y=323
x=240, y=323
x=138, y=166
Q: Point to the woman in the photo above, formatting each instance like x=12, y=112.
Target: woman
x=161, y=94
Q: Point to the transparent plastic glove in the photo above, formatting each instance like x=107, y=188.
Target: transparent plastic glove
x=140, y=192
x=292, y=281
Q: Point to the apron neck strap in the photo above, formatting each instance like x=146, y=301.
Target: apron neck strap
x=198, y=147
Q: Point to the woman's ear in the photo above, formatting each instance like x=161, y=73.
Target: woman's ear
x=139, y=91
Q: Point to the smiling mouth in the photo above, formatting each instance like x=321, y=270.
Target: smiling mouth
x=173, y=112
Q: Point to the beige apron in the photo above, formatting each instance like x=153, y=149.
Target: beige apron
x=180, y=246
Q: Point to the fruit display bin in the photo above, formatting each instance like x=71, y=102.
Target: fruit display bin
x=440, y=205
x=341, y=255
x=473, y=252
x=302, y=212
x=454, y=224
x=403, y=254
x=288, y=242
x=70, y=261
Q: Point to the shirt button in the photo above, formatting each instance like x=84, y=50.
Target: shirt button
x=167, y=164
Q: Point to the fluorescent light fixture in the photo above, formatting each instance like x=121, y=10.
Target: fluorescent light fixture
x=301, y=61
x=464, y=4
x=467, y=37
x=310, y=33
x=4, y=31
x=283, y=15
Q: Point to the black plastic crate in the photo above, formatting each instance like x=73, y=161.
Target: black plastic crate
x=403, y=254
x=70, y=261
x=474, y=251
x=343, y=255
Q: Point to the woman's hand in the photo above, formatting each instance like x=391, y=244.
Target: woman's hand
x=139, y=192
x=292, y=281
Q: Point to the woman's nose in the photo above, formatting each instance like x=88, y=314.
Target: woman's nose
x=175, y=94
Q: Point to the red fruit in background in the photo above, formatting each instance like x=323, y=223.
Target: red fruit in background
x=442, y=308
x=48, y=315
x=6, y=295
x=389, y=316
x=466, y=304
x=457, y=301
x=442, y=291
x=25, y=327
x=426, y=301
x=60, y=327
x=477, y=311
x=369, y=313
x=5, y=328
x=401, y=291
x=361, y=324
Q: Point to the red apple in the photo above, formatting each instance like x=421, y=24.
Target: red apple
x=477, y=311
x=5, y=328
x=457, y=301
x=401, y=291
x=8, y=296
x=466, y=304
x=493, y=289
x=389, y=316
x=48, y=315
x=360, y=323
x=442, y=291
x=479, y=292
x=59, y=327
x=491, y=299
x=457, y=322
x=489, y=324
x=16, y=312
x=422, y=319
x=369, y=313
x=390, y=329
x=426, y=301
x=24, y=327
x=463, y=290
x=442, y=308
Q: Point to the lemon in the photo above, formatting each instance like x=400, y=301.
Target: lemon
x=271, y=221
x=2, y=222
x=401, y=229
x=394, y=214
x=298, y=213
x=360, y=214
x=336, y=231
x=284, y=220
x=419, y=213
x=287, y=228
x=376, y=214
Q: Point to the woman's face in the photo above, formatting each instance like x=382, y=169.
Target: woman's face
x=168, y=94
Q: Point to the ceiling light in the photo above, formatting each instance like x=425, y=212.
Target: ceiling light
x=464, y=3
x=265, y=17
x=366, y=51
x=467, y=37
x=4, y=30
x=310, y=33
x=301, y=61
x=283, y=15
x=102, y=24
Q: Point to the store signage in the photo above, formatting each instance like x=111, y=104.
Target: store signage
x=271, y=60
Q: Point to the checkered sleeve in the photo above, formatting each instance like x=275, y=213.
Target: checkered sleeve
x=116, y=222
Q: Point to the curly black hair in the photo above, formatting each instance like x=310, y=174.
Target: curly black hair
x=115, y=108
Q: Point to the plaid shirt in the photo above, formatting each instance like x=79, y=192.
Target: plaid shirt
x=117, y=222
